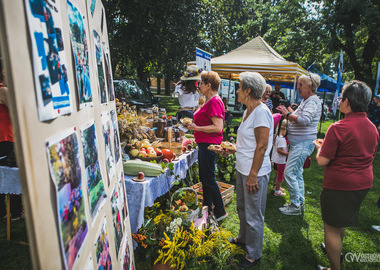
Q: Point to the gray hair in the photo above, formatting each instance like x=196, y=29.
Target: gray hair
x=313, y=80
x=358, y=94
x=253, y=81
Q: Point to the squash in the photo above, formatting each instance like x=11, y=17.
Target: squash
x=133, y=167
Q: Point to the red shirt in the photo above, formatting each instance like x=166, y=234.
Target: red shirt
x=202, y=117
x=351, y=145
x=6, y=134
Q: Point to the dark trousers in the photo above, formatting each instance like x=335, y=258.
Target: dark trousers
x=211, y=192
x=16, y=206
x=378, y=202
x=185, y=113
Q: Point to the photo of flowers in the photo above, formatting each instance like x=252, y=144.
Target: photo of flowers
x=110, y=162
x=126, y=257
x=108, y=72
x=102, y=250
x=116, y=142
x=95, y=184
x=49, y=60
x=116, y=218
x=65, y=170
x=99, y=64
x=79, y=44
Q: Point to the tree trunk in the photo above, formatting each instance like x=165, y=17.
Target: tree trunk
x=167, y=86
x=158, y=85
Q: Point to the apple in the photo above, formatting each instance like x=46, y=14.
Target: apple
x=142, y=154
x=143, y=149
x=149, y=148
x=134, y=152
x=151, y=153
x=158, y=151
x=145, y=143
x=140, y=175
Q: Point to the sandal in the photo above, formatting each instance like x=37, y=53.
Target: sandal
x=235, y=241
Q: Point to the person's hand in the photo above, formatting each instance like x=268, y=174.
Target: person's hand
x=252, y=185
x=227, y=152
x=318, y=143
x=282, y=109
x=191, y=126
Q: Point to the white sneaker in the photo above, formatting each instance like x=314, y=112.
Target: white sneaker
x=222, y=217
x=290, y=210
x=376, y=228
x=302, y=206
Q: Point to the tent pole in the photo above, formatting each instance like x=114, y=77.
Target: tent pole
x=323, y=107
x=294, y=88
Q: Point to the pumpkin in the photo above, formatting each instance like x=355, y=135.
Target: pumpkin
x=166, y=153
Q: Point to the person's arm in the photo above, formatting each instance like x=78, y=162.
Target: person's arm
x=282, y=151
x=3, y=96
x=321, y=160
x=262, y=137
x=216, y=127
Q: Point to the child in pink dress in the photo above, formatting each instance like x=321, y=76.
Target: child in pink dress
x=280, y=153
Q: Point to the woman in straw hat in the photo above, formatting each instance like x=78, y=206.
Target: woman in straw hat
x=186, y=91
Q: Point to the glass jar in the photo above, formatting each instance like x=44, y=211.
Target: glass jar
x=162, y=112
x=149, y=114
x=160, y=128
x=142, y=112
x=155, y=112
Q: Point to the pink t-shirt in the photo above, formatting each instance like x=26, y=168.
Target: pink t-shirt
x=202, y=117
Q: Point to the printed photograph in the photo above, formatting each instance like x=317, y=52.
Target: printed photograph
x=50, y=76
x=110, y=162
x=123, y=198
x=116, y=218
x=102, y=249
x=93, y=174
x=80, y=50
x=65, y=171
x=99, y=64
x=92, y=8
x=108, y=72
x=116, y=141
x=126, y=257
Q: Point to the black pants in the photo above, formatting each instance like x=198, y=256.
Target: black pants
x=8, y=154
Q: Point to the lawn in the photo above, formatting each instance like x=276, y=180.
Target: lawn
x=290, y=242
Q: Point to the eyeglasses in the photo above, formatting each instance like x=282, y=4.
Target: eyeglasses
x=312, y=82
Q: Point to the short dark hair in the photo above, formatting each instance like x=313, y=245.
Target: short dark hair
x=211, y=77
x=358, y=94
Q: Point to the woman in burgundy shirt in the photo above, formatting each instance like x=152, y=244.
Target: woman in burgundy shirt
x=347, y=154
x=208, y=129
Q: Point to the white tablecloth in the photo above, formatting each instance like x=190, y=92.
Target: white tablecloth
x=9, y=180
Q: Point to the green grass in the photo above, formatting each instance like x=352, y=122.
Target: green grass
x=290, y=242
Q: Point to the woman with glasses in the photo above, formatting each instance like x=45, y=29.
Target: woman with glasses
x=208, y=129
x=302, y=131
x=347, y=153
x=265, y=97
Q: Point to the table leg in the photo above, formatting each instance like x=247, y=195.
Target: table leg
x=8, y=196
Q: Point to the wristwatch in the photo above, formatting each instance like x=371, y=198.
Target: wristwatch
x=287, y=115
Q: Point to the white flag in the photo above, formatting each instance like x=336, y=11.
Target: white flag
x=339, y=80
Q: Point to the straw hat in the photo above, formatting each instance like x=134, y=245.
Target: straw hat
x=193, y=73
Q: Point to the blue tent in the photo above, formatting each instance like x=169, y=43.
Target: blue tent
x=328, y=84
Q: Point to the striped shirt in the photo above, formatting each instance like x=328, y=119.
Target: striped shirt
x=309, y=113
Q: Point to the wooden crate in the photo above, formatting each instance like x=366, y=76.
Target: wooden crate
x=226, y=190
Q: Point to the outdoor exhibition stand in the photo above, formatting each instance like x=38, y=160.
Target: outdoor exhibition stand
x=61, y=101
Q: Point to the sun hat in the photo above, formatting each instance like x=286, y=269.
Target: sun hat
x=193, y=73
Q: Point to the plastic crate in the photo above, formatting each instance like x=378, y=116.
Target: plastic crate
x=226, y=190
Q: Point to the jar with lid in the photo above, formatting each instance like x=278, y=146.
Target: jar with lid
x=169, y=121
x=162, y=112
x=177, y=136
x=155, y=111
x=160, y=128
x=142, y=112
x=149, y=114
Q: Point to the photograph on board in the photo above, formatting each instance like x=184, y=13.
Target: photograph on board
x=65, y=170
x=49, y=60
x=116, y=218
x=79, y=44
x=102, y=249
x=95, y=184
x=116, y=141
x=110, y=161
x=92, y=8
x=126, y=256
x=123, y=199
x=99, y=65
x=108, y=72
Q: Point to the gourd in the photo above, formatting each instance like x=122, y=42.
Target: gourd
x=133, y=167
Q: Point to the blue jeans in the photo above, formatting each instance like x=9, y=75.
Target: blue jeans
x=211, y=192
x=299, y=151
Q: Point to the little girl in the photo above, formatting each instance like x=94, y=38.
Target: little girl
x=280, y=152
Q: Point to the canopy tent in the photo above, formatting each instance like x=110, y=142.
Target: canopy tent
x=328, y=84
x=256, y=55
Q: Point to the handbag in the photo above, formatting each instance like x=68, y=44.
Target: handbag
x=307, y=163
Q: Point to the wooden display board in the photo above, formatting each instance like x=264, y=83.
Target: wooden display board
x=44, y=136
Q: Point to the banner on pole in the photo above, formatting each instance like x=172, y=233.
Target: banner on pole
x=339, y=80
x=203, y=59
x=377, y=78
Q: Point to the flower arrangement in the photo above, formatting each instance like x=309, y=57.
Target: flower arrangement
x=192, y=74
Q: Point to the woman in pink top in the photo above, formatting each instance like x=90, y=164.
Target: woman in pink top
x=208, y=129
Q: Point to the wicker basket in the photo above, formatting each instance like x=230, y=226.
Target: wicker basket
x=193, y=215
x=226, y=190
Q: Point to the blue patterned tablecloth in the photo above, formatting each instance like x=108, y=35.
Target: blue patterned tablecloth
x=141, y=195
x=9, y=180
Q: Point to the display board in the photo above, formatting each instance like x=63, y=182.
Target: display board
x=62, y=103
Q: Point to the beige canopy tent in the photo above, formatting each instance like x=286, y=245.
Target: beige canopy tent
x=256, y=55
